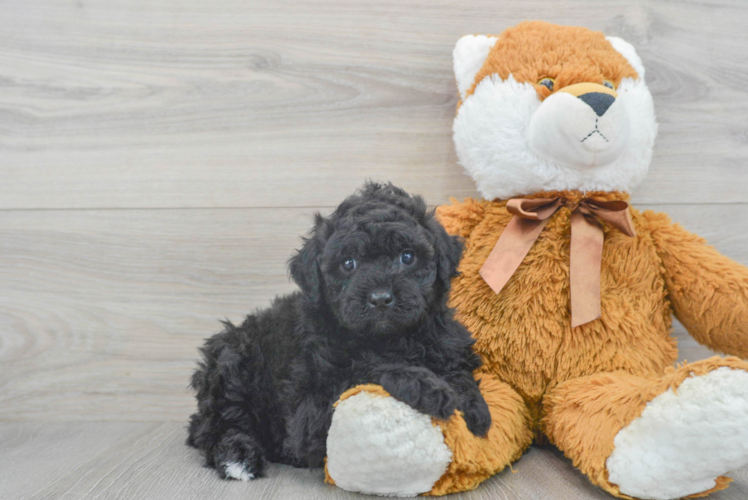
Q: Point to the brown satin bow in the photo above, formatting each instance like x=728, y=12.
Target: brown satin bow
x=530, y=217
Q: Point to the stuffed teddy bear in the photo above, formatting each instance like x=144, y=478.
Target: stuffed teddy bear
x=568, y=292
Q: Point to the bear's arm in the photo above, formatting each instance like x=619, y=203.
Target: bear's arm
x=708, y=291
x=459, y=219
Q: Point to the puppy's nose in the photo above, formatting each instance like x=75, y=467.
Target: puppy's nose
x=598, y=101
x=381, y=298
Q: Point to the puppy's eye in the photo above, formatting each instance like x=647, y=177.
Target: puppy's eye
x=348, y=264
x=609, y=84
x=547, y=83
x=408, y=257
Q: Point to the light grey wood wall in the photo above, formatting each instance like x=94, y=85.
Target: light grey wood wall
x=159, y=161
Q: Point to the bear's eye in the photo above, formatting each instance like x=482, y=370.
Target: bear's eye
x=609, y=84
x=408, y=258
x=547, y=83
x=348, y=264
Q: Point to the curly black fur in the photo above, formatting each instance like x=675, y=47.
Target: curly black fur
x=265, y=389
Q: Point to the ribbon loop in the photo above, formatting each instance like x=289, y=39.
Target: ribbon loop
x=530, y=217
x=534, y=209
x=616, y=213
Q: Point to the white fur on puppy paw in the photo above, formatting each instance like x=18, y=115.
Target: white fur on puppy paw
x=685, y=439
x=237, y=470
x=379, y=445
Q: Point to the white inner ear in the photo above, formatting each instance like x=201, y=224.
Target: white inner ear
x=469, y=55
x=629, y=52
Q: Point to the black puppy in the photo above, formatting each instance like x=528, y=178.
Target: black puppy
x=374, y=280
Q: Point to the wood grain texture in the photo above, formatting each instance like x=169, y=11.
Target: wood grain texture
x=110, y=103
x=101, y=312
x=150, y=460
x=160, y=160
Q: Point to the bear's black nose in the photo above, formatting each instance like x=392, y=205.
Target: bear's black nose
x=598, y=101
x=381, y=298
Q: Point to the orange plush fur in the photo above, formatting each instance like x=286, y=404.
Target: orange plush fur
x=581, y=386
x=534, y=50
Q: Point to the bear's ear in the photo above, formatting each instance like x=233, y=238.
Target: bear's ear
x=469, y=55
x=629, y=52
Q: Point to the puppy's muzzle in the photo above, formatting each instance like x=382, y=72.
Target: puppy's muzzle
x=381, y=299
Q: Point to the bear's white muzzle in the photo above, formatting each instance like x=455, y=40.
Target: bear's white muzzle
x=580, y=132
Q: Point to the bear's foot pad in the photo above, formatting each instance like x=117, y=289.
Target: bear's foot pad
x=379, y=445
x=684, y=439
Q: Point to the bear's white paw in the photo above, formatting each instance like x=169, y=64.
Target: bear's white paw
x=684, y=440
x=379, y=445
x=237, y=470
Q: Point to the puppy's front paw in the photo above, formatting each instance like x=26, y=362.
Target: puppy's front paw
x=422, y=390
x=437, y=398
x=477, y=417
x=237, y=456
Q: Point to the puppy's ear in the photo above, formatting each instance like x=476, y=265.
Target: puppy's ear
x=304, y=266
x=448, y=252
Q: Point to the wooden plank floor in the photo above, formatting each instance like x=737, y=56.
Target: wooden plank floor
x=129, y=460
x=160, y=160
